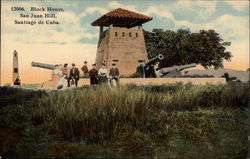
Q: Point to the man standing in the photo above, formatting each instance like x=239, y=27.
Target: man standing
x=103, y=75
x=114, y=75
x=65, y=73
x=93, y=73
x=85, y=69
x=73, y=74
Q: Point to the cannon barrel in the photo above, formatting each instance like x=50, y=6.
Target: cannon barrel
x=154, y=60
x=186, y=66
x=176, y=68
x=143, y=69
x=43, y=65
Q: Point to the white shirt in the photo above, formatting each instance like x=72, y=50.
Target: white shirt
x=57, y=71
x=103, y=72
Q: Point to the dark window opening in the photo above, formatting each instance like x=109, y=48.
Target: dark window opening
x=116, y=34
x=136, y=34
x=123, y=34
x=15, y=70
x=115, y=60
x=130, y=34
x=140, y=61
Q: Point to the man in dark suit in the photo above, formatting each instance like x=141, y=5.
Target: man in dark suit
x=114, y=75
x=85, y=69
x=73, y=74
x=93, y=74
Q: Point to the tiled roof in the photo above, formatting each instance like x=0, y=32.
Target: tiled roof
x=123, y=13
x=121, y=17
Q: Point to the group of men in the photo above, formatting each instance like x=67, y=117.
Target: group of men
x=60, y=75
x=72, y=75
x=102, y=76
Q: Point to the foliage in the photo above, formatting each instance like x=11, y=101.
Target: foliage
x=183, y=47
x=168, y=121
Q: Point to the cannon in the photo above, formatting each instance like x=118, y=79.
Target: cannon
x=146, y=69
x=43, y=65
x=56, y=83
x=153, y=60
x=150, y=68
x=174, y=71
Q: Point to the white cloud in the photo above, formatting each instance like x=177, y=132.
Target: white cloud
x=238, y=5
x=112, y=4
x=68, y=31
x=202, y=8
x=235, y=27
x=115, y=4
x=91, y=10
x=181, y=23
x=161, y=11
x=83, y=14
x=229, y=27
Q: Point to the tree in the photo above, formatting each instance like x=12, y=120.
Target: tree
x=183, y=47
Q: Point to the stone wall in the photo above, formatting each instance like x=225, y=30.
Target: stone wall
x=126, y=46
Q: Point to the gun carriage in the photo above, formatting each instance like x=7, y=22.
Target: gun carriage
x=150, y=68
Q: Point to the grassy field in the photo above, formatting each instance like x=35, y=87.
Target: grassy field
x=167, y=121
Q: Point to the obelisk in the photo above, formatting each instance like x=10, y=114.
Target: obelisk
x=15, y=66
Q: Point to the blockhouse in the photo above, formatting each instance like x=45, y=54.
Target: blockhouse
x=121, y=40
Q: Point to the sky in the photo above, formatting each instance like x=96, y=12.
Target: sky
x=74, y=40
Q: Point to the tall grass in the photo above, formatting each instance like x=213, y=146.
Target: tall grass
x=169, y=121
x=103, y=113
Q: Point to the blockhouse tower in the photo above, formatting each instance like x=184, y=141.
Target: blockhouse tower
x=121, y=40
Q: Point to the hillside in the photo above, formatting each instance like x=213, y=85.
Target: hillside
x=167, y=121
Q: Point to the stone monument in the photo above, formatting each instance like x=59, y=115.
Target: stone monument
x=16, y=79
